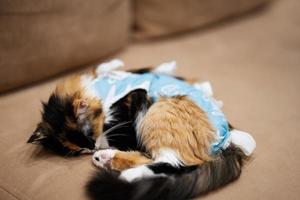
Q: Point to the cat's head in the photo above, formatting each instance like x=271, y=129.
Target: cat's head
x=70, y=122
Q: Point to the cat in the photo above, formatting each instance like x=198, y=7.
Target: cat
x=154, y=147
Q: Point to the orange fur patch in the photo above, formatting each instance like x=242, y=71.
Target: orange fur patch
x=71, y=146
x=96, y=116
x=69, y=87
x=179, y=124
x=124, y=160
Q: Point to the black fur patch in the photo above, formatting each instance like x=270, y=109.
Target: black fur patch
x=166, y=168
x=141, y=70
x=56, y=111
x=53, y=126
x=125, y=111
x=53, y=144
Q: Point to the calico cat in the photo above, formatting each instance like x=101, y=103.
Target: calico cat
x=155, y=146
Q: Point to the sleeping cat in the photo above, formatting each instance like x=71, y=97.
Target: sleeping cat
x=171, y=144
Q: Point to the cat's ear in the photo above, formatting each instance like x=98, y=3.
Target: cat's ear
x=37, y=137
x=80, y=106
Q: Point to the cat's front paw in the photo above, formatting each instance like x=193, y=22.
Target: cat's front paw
x=103, y=158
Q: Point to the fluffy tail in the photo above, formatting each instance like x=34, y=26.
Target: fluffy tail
x=207, y=177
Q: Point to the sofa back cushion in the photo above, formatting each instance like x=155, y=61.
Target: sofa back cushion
x=41, y=38
x=155, y=18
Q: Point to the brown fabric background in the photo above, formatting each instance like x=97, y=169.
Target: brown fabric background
x=41, y=38
x=155, y=18
x=253, y=65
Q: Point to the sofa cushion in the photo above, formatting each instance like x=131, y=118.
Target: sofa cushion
x=42, y=38
x=155, y=18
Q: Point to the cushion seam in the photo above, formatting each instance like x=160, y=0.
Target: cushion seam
x=13, y=192
x=9, y=193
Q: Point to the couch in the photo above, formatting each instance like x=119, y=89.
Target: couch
x=250, y=52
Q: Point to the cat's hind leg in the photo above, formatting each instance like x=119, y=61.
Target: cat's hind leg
x=119, y=160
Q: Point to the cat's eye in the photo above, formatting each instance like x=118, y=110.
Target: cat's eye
x=80, y=139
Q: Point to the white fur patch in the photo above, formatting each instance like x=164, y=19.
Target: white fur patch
x=102, y=158
x=169, y=156
x=87, y=151
x=108, y=115
x=138, y=123
x=101, y=142
x=85, y=127
x=243, y=140
x=137, y=172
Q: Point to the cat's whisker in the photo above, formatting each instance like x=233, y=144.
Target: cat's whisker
x=110, y=136
x=115, y=127
x=111, y=139
x=69, y=154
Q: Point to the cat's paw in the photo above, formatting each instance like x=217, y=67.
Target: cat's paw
x=87, y=151
x=103, y=158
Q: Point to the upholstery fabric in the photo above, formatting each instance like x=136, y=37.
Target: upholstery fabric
x=154, y=18
x=41, y=38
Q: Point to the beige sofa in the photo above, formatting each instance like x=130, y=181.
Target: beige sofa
x=253, y=63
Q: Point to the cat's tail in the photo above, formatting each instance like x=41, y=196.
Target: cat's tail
x=191, y=183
